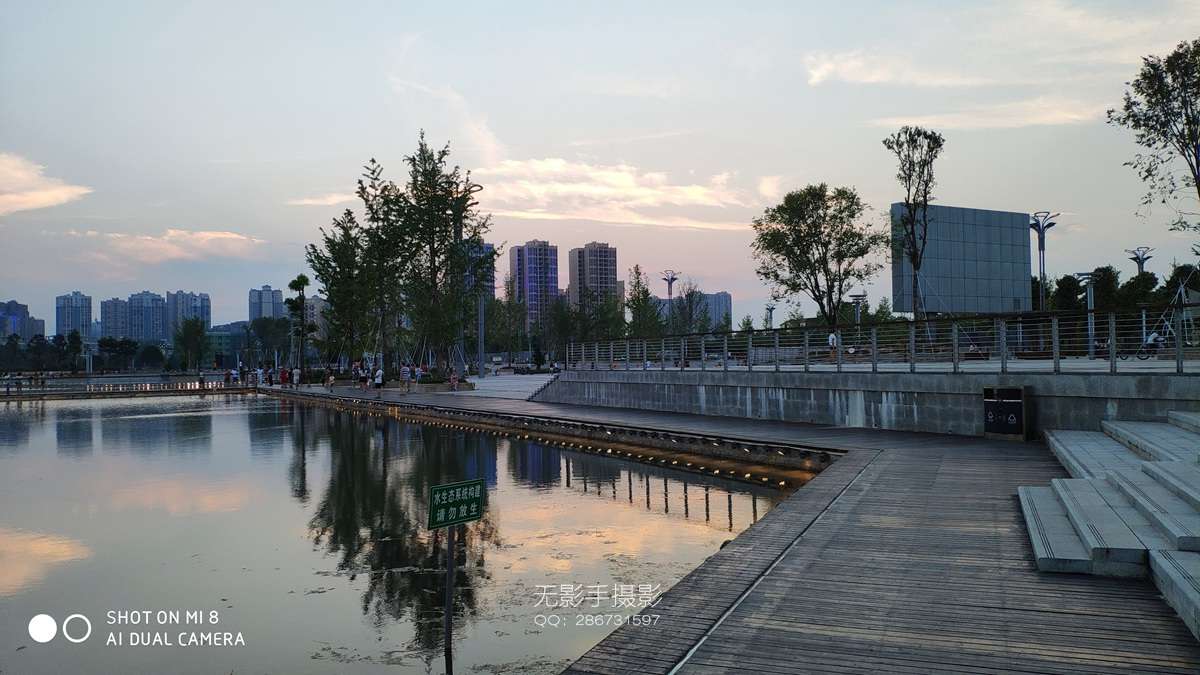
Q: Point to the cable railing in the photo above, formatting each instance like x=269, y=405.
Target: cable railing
x=1142, y=340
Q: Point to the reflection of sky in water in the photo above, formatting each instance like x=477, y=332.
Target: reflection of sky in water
x=304, y=528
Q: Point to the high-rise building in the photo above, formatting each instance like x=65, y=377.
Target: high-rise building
x=266, y=302
x=717, y=306
x=147, y=317
x=15, y=320
x=182, y=306
x=314, y=313
x=73, y=312
x=593, y=273
x=114, y=318
x=976, y=261
x=534, y=267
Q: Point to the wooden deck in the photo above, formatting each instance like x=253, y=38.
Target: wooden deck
x=911, y=560
x=907, y=555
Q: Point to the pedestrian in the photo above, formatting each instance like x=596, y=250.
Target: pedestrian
x=454, y=379
x=379, y=382
x=296, y=377
x=330, y=380
x=283, y=378
x=833, y=340
x=405, y=375
x=258, y=376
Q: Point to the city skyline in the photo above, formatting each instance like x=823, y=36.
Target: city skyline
x=654, y=151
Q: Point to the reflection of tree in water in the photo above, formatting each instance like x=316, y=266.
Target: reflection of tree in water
x=372, y=512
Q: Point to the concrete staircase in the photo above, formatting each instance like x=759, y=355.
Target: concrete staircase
x=1132, y=508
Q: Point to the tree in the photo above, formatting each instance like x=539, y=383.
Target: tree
x=747, y=324
x=301, y=327
x=1067, y=294
x=814, y=243
x=690, y=311
x=338, y=266
x=916, y=149
x=271, y=334
x=1105, y=282
x=1137, y=290
x=191, y=343
x=10, y=355
x=74, y=348
x=150, y=356
x=506, y=319
x=1162, y=108
x=1035, y=286
x=645, y=321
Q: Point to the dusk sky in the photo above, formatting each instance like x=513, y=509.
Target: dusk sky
x=200, y=146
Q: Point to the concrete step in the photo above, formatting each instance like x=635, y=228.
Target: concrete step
x=1182, y=478
x=1090, y=454
x=1056, y=546
x=1155, y=441
x=1188, y=421
x=1177, y=576
x=1175, y=518
x=1113, y=547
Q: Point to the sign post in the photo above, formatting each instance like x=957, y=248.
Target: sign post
x=450, y=505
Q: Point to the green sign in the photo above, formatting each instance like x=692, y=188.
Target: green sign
x=455, y=503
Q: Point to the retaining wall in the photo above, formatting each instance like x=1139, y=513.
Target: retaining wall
x=936, y=402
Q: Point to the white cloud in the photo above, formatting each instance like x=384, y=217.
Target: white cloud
x=472, y=125
x=327, y=199
x=863, y=68
x=23, y=187
x=559, y=189
x=121, y=251
x=770, y=187
x=1040, y=111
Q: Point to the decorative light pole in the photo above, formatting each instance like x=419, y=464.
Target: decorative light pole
x=1086, y=278
x=770, y=316
x=1140, y=255
x=670, y=277
x=1040, y=222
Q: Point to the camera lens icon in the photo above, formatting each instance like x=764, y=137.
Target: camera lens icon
x=43, y=628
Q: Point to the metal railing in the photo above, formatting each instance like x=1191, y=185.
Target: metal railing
x=1145, y=340
x=12, y=388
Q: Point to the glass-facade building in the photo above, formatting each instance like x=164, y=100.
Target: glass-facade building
x=976, y=261
x=534, y=267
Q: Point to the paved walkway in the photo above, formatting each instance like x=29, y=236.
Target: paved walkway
x=908, y=554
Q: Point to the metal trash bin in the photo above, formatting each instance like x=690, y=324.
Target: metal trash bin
x=1005, y=413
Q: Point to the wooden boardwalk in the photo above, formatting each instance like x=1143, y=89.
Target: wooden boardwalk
x=907, y=555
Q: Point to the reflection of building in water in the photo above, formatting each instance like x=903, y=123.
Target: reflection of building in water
x=73, y=430
x=268, y=427
x=593, y=468
x=534, y=463
x=184, y=431
x=15, y=419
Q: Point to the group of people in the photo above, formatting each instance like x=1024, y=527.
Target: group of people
x=286, y=377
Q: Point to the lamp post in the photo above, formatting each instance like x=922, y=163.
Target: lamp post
x=670, y=276
x=1086, y=278
x=1040, y=222
x=1140, y=255
x=770, y=316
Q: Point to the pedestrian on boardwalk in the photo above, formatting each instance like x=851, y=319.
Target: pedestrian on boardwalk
x=379, y=382
x=283, y=378
x=296, y=377
x=406, y=377
x=453, y=379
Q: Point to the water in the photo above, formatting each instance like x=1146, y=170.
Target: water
x=302, y=529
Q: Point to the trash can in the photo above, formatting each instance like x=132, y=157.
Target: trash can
x=1005, y=414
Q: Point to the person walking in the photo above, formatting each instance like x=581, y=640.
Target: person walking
x=454, y=379
x=405, y=377
x=379, y=382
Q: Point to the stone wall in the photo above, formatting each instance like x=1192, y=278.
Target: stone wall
x=937, y=402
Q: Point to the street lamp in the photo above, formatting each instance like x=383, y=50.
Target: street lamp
x=1040, y=222
x=1140, y=255
x=670, y=277
x=770, y=316
x=1086, y=278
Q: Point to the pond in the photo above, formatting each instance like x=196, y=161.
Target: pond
x=252, y=535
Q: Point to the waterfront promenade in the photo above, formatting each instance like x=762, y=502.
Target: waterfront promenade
x=908, y=554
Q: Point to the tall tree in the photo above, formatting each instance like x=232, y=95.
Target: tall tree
x=645, y=321
x=815, y=243
x=747, y=324
x=915, y=149
x=1105, y=282
x=690, y=311
x=338, y=266
x=506, y=319
x=1162, y=108
x=1137, y=290
x=192, y=342
x=301, y=327
x=1067, y=295
x=73, y=349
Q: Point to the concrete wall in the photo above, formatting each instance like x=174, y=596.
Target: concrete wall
x=943, y=403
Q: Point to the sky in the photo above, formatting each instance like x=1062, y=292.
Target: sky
x=199, y=146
